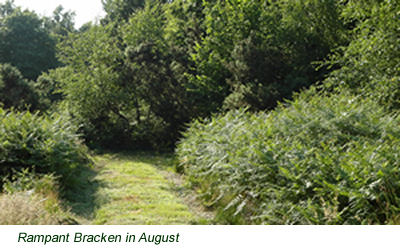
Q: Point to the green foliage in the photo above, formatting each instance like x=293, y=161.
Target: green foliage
x=121, y=10
x=61, y=23
x=93, y=85
x=47, y=145
x=154, y=66
x=29, y=198
x=26, y=44
x=49, y=91
x=323, y=159
x=254, y=53
x=155, y=70
x=369, y=65
x=15, y=91
x=7, y=8
x=125, y=85
x=319, y=160
x=27, y=180
x=100, y=93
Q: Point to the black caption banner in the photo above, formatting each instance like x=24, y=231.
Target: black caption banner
x=138, y=237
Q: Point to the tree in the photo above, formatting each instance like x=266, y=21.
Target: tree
x=121, y=10
x=16, y=92
x=370, y=64
x=7, y=8
x=61, y=23
x=156, y=69
x=255, y=53
x=90, y=82
x=153, y=66
x=126, y=86
x=26, y=44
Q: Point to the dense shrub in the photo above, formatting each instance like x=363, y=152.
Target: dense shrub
x=49, y=145
x=48, y=89
x=15, y=91
x=317, y=160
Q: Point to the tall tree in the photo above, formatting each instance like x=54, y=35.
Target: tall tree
x=121, y=10
x=92, y=85
x=61, y=22
x=125, y=85
x=26, y=44
x=7, y=8
x=157, y=70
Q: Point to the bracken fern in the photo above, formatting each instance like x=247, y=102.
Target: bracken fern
x=315, y=160
x=47, y=144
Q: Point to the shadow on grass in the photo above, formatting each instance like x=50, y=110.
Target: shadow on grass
x=84, y=201
x=81, y=197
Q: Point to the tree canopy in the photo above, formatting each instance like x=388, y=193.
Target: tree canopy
x=26, y=44
x=150, y=67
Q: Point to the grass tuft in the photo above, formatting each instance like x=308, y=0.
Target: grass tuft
x=31, y=199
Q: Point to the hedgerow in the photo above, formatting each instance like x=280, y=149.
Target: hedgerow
x=316, y=160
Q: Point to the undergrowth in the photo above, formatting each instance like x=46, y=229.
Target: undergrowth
x=316, y=160
x=46, y=144
x=32, y=199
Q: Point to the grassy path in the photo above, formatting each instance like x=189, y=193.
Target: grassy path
x=137, y=190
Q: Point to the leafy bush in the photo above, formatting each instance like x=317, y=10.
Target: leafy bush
x=319, y=160
x=49, y=145
x=15, y=91
x=48, y=89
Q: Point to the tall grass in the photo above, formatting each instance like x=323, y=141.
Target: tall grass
x=316, y=160
x=32, y=199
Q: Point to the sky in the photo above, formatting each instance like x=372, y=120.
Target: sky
x=85, y=10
